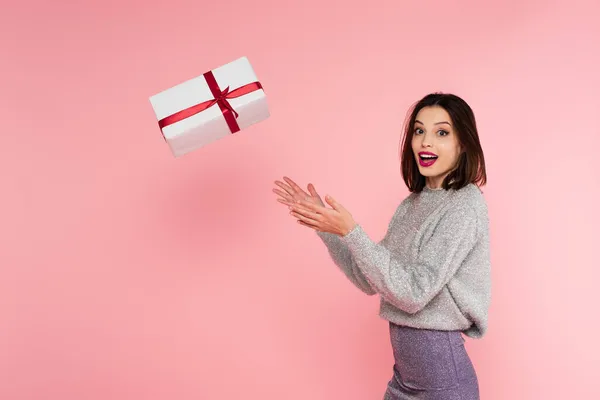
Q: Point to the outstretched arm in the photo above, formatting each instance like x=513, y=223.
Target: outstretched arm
x=344, y=259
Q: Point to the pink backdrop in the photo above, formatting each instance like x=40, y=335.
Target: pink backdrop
x=128, y=274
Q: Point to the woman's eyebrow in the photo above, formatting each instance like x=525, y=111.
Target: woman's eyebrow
x=437, y=123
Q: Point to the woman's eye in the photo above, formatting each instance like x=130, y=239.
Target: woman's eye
x=442, y=132
x=418, y=131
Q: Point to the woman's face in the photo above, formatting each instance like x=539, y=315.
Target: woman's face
x=435, y=145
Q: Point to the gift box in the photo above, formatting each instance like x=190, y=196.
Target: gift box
x=210, y=107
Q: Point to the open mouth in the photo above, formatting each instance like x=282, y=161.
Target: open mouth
x=427, y=159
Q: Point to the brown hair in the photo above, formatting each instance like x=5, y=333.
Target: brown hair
x=471, y=163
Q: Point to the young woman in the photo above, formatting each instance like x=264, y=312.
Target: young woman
x=432, y=268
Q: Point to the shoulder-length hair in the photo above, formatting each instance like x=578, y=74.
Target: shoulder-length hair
x=471, y=163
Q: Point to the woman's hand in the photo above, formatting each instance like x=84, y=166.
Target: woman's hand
x=312, y=212
x=293, y=193
x=335, y=220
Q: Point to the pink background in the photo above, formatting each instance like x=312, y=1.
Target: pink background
x=128, y=274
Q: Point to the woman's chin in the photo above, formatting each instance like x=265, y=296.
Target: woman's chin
x=427, y=172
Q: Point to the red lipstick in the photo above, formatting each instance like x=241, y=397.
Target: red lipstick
x=427, y=159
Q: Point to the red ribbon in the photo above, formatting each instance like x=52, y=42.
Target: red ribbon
x=220, y=98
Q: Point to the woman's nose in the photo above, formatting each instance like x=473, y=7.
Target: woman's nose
x=425, y=142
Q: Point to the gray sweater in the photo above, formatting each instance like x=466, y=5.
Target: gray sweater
x=432, y=268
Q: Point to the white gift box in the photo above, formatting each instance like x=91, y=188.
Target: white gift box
x=239, y=92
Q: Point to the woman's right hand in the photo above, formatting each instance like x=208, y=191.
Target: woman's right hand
x=292, y=193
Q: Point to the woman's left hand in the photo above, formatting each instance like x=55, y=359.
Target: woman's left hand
x=335, y=220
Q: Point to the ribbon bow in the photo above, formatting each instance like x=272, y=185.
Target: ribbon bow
x=222, y=100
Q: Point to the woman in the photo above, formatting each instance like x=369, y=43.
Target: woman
x=432, y=268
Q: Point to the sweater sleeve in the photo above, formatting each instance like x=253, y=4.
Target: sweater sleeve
x=343, y=258
x=411, y=282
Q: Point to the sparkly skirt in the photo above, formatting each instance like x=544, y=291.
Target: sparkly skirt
x=430, y=365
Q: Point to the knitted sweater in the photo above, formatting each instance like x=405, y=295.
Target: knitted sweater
x=432, y=268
